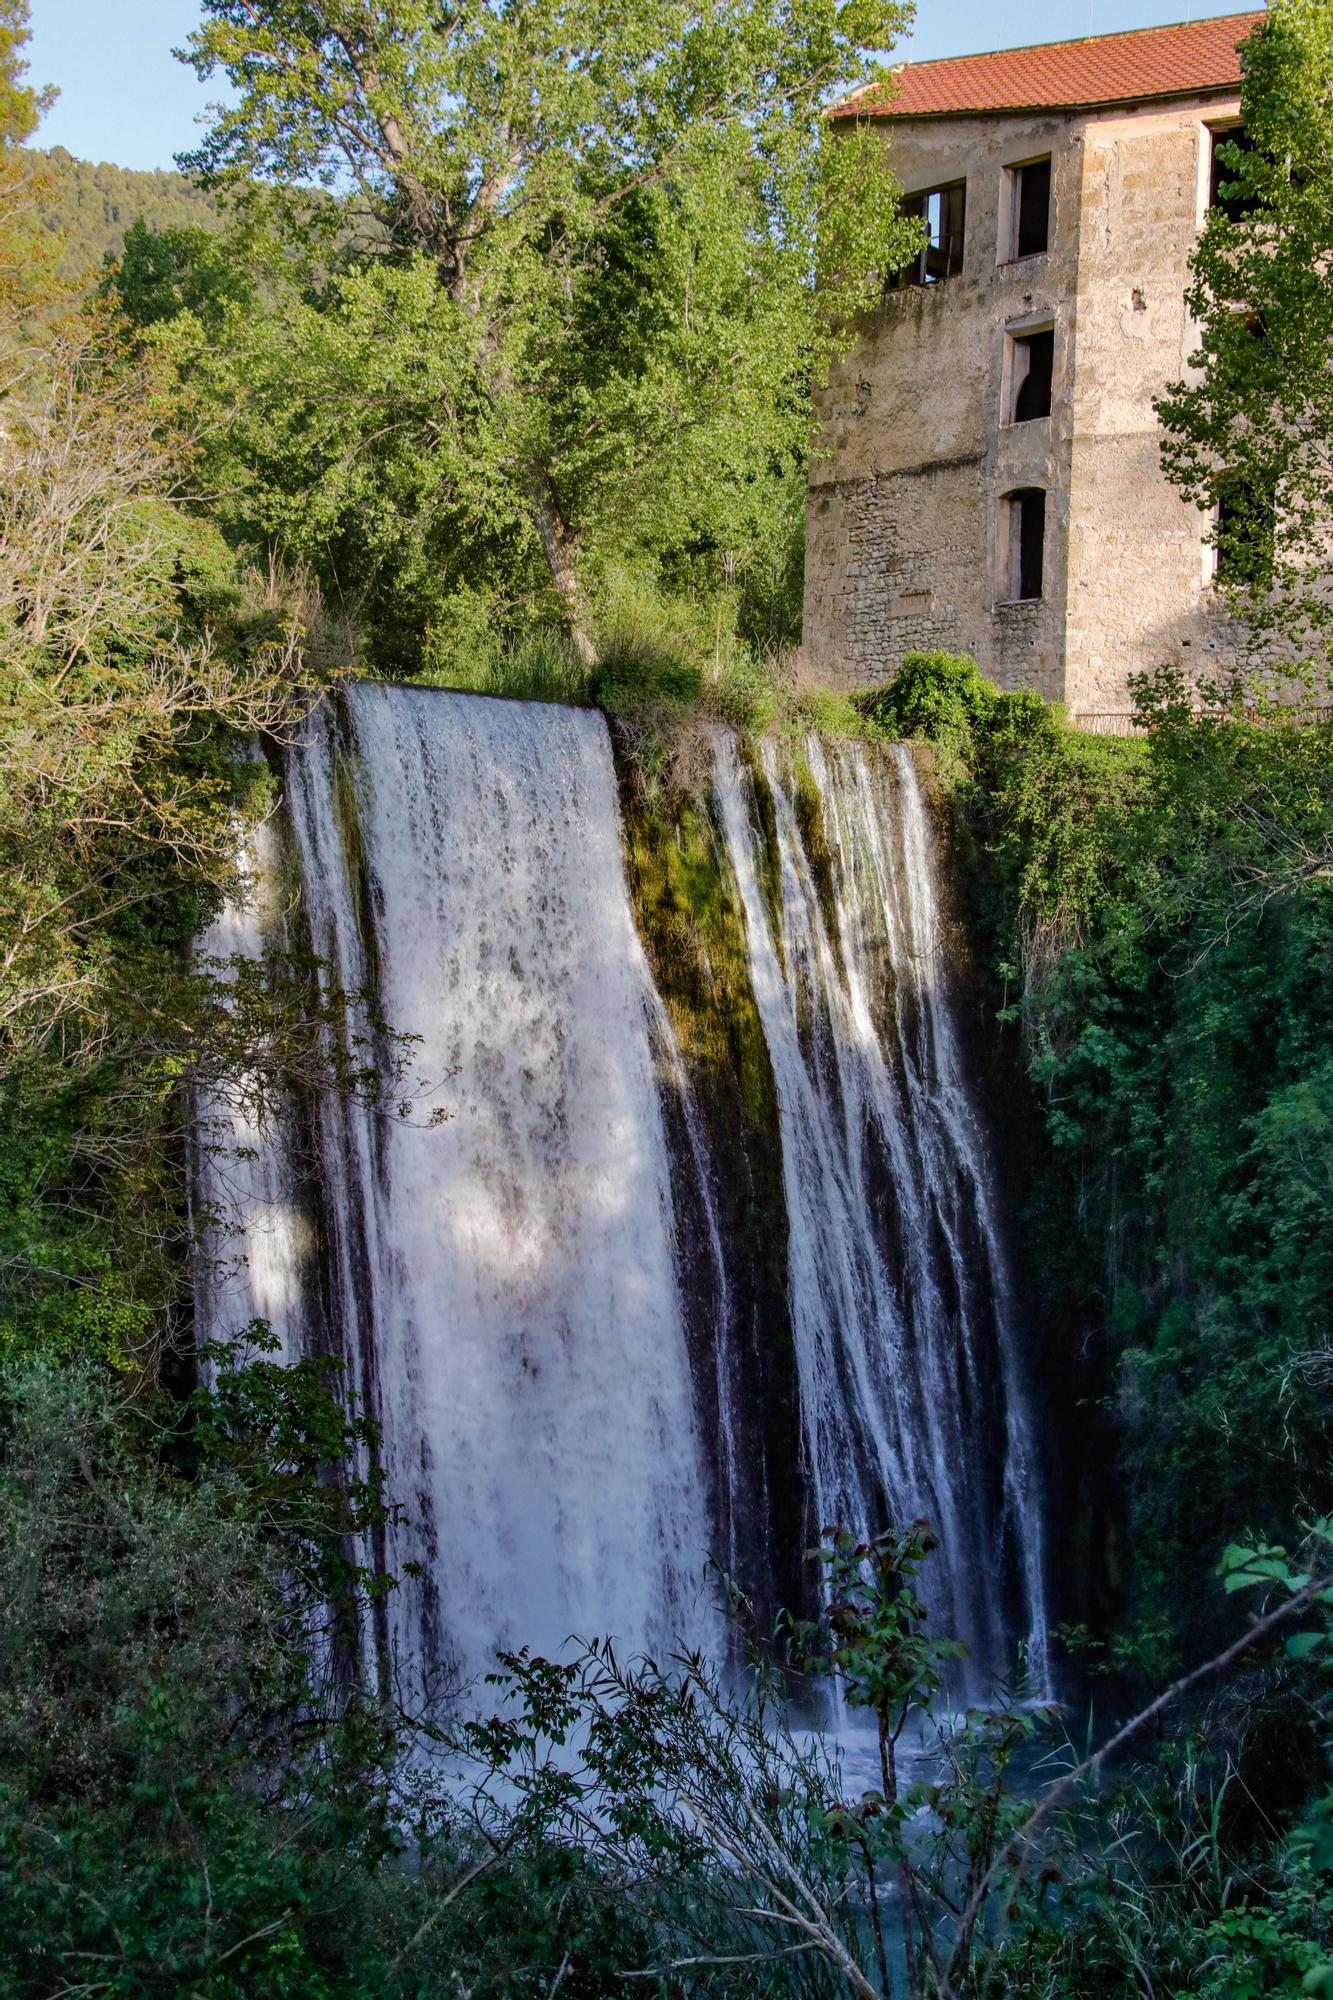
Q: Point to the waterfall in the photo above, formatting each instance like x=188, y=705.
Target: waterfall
x=901, y=1305
x=245, y=1184
x=502, y=1281
x=533, y=1271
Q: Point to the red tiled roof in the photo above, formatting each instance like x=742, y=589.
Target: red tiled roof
x=1102, y=69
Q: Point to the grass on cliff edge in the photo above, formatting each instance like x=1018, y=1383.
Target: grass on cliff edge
x=662, y=661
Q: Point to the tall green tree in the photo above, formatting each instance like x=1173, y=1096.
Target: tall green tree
x=1252, y=434
x=617, y=206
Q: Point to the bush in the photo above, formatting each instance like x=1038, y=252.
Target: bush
x=1157, y=918
x=182, y=1807
x=934, y=697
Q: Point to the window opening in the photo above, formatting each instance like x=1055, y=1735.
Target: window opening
x=1027, y=542
x=1246, y=521
x=1032, y=208
x=1033, y=361
x=944, y=212
x=1224, y=172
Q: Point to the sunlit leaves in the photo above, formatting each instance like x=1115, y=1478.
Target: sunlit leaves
x=623, y=208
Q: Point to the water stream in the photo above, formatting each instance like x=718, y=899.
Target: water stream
x=901, y=1304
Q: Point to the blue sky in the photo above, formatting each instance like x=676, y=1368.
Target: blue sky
x=123, y=97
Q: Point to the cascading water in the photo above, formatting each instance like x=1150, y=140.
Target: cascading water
x=900, y=1303
x=541, y=1298
x=245, y=1183
x=503, y=1281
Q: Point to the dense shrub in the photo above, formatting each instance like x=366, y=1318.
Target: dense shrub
x=935, y=697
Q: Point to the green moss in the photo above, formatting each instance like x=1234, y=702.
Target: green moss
x=693, y=930
x=352, y=845
x=694, y=933
x=768, y=861
x=809, y=806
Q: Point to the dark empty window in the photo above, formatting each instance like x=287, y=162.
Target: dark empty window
x=1225, y=171
x=944, y=212
x=1034, y=356
x=1027, y=541
x=1032, y=208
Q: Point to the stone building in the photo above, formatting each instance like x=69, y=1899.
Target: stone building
x=986, y=474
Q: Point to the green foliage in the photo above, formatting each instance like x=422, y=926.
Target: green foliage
x=195, y=1795
x=872, y=1638
x=1256, y=426
x=1194, y=1901
x=872, y=1644
x=197, y=1791
x=181, y=1802
x=26, y=254
x=138, y=663
x=740, y=687
x=273, y=1433
x=21, y=106
x=583, y=326
x=649, y=652
x=134, y=665
x=751, y=1864
x=1181, y=1047
x=162, y=271
x=935, y=697
x=829, y=712
x=1156, y=915
x=1047, y=806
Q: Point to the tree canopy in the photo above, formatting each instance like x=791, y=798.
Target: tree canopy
x=25, y=257
x=89, y=208
x=21, y=103
x=591, y=288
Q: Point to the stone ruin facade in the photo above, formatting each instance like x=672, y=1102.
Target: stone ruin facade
x=986, y=474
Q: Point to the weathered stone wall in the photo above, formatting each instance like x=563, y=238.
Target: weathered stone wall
x=915, y=453
x=1140, y=589
x=884, y=590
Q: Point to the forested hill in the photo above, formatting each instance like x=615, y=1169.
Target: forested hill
x=94, y=204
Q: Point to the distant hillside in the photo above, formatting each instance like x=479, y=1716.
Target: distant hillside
x=97, y=204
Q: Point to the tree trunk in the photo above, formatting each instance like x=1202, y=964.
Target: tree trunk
x=449, y=246
x=558, y=548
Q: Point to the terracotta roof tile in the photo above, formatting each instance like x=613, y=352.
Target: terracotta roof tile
x=1102, y=69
